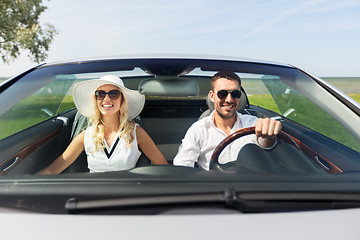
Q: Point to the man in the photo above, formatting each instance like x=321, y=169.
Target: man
x=204, y=135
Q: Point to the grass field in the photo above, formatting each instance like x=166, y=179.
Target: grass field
x=30, y=112
x=355, y=96
x=266, y=100
x=310, y=115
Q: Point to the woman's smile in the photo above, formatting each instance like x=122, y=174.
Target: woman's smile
x=107, y=106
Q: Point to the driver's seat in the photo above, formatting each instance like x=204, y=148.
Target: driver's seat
x=244, y=103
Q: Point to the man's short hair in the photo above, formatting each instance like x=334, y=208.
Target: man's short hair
x=226, y=75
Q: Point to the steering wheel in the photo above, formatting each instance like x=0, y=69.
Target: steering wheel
x=214, y=161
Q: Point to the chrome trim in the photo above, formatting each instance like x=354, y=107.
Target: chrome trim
x=47, y=112
x=277, y=118
x=288, y=112
x=64, y=119
x=11, y=165
x=317, y=159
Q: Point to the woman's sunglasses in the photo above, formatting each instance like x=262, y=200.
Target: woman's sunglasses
x=113, y=94
x=236, y=94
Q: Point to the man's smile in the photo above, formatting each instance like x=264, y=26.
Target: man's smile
x=227, y=106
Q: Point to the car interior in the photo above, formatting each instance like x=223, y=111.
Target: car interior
x=166, y=118
x=167, y=126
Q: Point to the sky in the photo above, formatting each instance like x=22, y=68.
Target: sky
x=319, y=36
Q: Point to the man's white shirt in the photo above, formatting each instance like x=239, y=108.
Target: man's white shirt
x=203, y=136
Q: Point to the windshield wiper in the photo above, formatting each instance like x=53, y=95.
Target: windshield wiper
x=244, y=202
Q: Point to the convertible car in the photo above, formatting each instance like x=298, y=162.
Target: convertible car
x=311, y=178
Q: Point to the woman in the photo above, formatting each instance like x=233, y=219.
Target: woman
x=112, y=141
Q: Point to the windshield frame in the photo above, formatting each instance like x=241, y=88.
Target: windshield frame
x=170, y=180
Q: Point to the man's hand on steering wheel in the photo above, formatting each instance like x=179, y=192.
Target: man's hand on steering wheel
x=267, y=129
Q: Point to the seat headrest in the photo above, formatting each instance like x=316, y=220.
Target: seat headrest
x=244, y=102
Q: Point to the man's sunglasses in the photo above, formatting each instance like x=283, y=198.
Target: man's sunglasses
x=113, y=94
x=236, y=94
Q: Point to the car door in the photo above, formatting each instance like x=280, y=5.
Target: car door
x=35, y=123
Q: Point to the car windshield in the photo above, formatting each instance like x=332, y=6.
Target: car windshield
x=320, y=150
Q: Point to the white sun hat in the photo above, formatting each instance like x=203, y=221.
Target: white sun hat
x=84, y=92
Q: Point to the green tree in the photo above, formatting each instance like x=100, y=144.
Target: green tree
x=20, y=30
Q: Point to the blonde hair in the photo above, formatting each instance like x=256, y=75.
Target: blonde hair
x=126, y=127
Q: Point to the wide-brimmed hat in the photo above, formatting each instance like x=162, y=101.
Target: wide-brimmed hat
x=84, y=92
